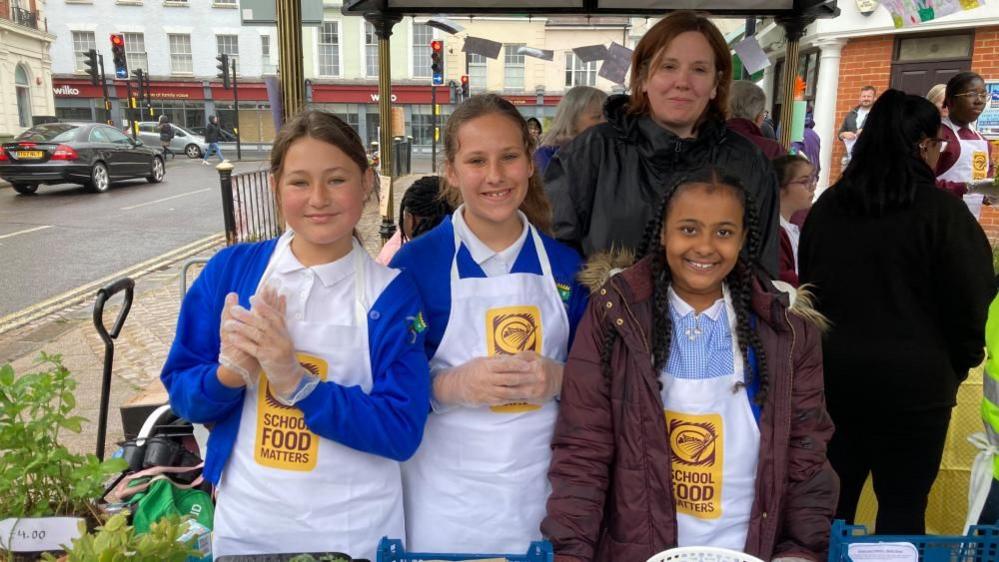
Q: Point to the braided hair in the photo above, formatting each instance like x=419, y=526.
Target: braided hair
x=739, y=280
x=424, y=202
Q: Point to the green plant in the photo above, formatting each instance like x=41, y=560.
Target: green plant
x=39, y=476
x=116, y=541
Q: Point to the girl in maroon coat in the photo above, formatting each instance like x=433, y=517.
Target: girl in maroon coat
x=692, y=410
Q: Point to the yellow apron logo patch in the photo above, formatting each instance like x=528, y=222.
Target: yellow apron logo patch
x=510, y=330
x=979, y=165
x=696, y=447
x=283, y=440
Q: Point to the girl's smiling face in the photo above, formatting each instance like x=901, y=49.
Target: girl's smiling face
x=702, y=236
x=321, y=192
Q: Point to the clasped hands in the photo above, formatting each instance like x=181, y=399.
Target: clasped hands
x=258, y=340
x=498, y=380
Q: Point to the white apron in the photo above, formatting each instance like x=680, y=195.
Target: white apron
x=478, y=482
x=973, y=162
x=714, y=448
x=285, y=489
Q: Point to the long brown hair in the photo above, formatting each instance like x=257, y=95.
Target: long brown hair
x=650, y=49
x=535, y=204
x=321, y=126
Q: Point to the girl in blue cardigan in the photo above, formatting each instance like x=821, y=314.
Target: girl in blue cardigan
x=307, y=359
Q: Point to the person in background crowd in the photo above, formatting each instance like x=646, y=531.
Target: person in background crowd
x=746, y=102
x=605, y=184
x=936, y=95
x=964, y=159
x=580, y=109
x=166, y=135
x=853, y=123
x=213, y=136
x=811, y=145
x=767, y=126
x=534, y=126
x=421, y=209
x=679, y=423
x=797, y=188
x=502, y=305
x=308, y=359
x=904, y=274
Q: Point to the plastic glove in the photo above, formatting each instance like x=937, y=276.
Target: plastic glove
x=483, y=381
x=230, y=356
x=265, y=336
x=547, y=381
x=791, y=559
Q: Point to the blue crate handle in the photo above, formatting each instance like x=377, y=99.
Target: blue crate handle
x=981, y=544
x=392, y=550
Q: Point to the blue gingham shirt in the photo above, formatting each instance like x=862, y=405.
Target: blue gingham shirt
x=702, y=345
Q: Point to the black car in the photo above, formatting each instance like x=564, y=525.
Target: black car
x=92, y=154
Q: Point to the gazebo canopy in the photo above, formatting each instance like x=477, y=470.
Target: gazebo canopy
x=721, y=8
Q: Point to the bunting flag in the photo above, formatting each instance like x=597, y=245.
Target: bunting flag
x=591, y=53
x=908, y=13
x=615, y=66
x=484, y=47
x=536, y=53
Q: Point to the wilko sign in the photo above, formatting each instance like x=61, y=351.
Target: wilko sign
x=375, y=97
x=66, y=90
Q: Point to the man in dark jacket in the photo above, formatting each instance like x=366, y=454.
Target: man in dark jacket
x=853, y=123
x=604, y=185
x=746, y=103
x=166, y=135
x=213, y=136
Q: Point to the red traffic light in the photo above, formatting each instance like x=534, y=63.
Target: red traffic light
x=436, y=46
x=464, y=79
x=117, y=40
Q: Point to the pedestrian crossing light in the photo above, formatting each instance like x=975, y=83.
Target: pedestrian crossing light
x=437, y=62
x=90, y=61
x=118, y=54
x=223, y=67
x=464, y=86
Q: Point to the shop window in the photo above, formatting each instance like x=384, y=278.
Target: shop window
x=22, y=85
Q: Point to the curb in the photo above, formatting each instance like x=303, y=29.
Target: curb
x=74, y=296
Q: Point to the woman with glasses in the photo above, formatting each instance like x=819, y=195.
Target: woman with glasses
x=797, y=179
x=904, y=274
x=965, y=157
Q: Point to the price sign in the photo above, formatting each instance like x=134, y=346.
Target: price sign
x=383, y=201
x=36, y=534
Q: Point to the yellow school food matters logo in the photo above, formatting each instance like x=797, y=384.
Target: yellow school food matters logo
x=979, y=165
x=696, y=444
x=510, y=330
x=283, y=440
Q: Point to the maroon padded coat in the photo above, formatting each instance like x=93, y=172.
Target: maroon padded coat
x=611, y=492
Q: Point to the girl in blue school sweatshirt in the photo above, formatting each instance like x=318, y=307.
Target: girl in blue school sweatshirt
x=502, y=303
x=307, y=357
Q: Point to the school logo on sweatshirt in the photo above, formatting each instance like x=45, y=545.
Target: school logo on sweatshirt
x=696, y=444
x=510, y=330
x=283, y=440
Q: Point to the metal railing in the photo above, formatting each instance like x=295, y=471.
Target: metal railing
x=249, y=210
x=22, y=16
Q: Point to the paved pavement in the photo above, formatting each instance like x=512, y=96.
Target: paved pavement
x=140, y=349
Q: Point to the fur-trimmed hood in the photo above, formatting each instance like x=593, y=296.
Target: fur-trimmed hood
x=768, y=294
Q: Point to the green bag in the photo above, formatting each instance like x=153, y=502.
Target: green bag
x=164, y=498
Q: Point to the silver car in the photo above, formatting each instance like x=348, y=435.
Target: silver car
x=183, y=140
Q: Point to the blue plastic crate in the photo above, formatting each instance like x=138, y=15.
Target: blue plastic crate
x=391, y=550
x=980, y=545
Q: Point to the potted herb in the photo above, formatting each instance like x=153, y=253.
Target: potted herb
x=45, y=490
x=116, y=540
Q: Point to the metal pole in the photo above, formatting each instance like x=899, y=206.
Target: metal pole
x=383, y=24
x=433, y=128
x=235, y=96
x=130, y=102
x=228, y=209
x=104, y=91
x=290, y=65
x=794, y=28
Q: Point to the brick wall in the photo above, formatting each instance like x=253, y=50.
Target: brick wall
x=985, y=61
x=864, y=61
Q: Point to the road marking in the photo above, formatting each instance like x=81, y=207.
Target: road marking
x=130, y=207
x=36, y=229
x=74, y=296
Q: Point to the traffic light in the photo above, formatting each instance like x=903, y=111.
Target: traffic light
x=464, y=86
x=437, y=62
x=90, y=61
x=223, y=67
x=118, y=54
